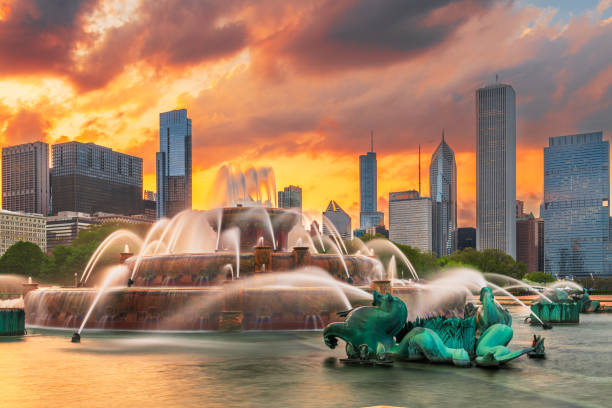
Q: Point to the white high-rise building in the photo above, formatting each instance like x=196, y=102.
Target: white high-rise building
x=410, y=219
x=496, y=168
x=20, y=226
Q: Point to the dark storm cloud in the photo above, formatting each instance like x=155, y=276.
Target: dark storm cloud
x=186, y=31
x=367, y=33
x=42, y=36
x=38, y=36
x=395, y=24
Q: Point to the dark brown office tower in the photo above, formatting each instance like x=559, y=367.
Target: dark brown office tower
x=150, y=205
x=25, y=178
x=89, y=178
x=540, y=244
x=466, y=238
x=527, y=242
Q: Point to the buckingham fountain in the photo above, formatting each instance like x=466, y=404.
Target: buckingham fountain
x=248, y=266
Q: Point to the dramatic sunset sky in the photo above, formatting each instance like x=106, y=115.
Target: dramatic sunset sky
x=298, y=85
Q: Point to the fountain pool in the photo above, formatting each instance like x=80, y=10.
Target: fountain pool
x=293, y=369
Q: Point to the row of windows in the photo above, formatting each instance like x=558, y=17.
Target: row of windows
x=590, y=169
x=576, y=204
x=576, y=239
x=575, y=139
x=12, y=220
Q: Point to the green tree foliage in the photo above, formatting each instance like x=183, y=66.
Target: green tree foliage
x=22, y=258
x=540, y=277
x=65, y=261
x=423, y=262
x=490, y=260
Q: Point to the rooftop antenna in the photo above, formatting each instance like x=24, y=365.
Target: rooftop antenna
x=442, y=134
x=371, y=140
x=419, y=170
x=496, y=78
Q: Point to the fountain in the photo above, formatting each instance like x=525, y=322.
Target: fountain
x=563, y=303
x=243, y=266
x=223, y=269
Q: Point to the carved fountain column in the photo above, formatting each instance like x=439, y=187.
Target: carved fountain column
x=232, y=306
x=262, y=259
x=301, y=257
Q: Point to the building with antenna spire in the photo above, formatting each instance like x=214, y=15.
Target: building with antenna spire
x=443, y=190
x=369, y=215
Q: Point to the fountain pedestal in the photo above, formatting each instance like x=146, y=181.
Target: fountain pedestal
x=124, y=256
x=28, y=287
x=231, y=309
x=301, y=257
x=262, y=261
x=382, y=286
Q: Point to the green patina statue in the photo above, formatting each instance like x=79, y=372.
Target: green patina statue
x=370, y=325
x=490, y=312
x=586, y=304
x=380, y=332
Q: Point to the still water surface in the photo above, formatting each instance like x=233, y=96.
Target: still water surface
x=292, y=369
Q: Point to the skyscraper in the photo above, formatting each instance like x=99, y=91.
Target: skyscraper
x=443, y=190
x=369, y=215
x=290, y=197
x=25, y=178
x=173, y=163
x=339, y=218
x=410, y=219
x=496, y=168
x=20, y=226
x=527, y=240
x=90, y=178
x=466, y=238
x=576, y=208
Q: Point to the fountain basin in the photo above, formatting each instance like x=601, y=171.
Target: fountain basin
x=556, y=313
x=186, y=309
x=12, y=322
x=203, y=308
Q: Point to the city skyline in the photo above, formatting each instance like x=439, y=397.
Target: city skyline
x=58, y=94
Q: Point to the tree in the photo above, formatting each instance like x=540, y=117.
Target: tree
x=22, y=258
x=66, y=260
x=540, y=277
x=490, y=260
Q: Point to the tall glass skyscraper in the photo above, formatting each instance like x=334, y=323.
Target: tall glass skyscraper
x=496, y=168
x=174, y=163
x=576, y=208
x=443, y=190
x=368, y=192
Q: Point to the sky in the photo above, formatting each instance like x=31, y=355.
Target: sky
x=299, y=85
